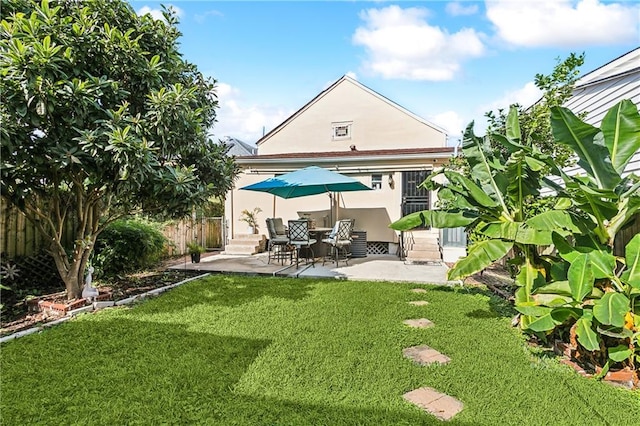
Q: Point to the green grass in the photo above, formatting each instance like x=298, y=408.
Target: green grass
x=235, y=350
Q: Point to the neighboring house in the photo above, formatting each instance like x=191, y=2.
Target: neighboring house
x=599, y=90
x=595, y=93
x=238, y=148
x=351, y=129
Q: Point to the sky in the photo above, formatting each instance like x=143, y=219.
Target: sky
x=448, y=62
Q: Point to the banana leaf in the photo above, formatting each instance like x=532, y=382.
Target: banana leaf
x=480, y=256
x=435, y=218
x=593, y=158
x=621, y=130
x=631, y=274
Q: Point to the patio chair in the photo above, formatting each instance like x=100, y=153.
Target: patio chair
x=339, y=240
x=278, y=248
x=299, y=237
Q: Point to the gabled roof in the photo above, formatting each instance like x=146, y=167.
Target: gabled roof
x=624, y=64
x=341, y=80
x=238, y=148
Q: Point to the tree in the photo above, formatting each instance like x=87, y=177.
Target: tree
x=535, y=123
x=101, y=117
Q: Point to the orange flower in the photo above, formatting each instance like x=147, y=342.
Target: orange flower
x=628, y=320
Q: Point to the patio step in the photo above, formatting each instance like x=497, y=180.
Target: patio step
x=241, y=249
x=424, y=249
x=245, y=244
x=430, y=255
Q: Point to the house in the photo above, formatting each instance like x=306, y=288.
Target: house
x=594, y=94
x=237, y=148
x=597, y=91
x=353, y=130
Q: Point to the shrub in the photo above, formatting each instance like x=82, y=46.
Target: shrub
x=127, y=245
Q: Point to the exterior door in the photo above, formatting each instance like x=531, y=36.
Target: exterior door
x=414, y=199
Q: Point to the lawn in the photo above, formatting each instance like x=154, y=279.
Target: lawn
x=234, y=350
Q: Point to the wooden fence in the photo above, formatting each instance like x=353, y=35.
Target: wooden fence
x=207, y=231
x=20, y=237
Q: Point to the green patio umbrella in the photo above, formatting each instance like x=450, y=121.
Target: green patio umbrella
x=311, y=180
x=308, y=181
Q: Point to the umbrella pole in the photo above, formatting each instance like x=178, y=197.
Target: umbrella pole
x=274, y=206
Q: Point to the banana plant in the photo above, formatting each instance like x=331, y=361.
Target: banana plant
x=492, y=199
x=589, y=289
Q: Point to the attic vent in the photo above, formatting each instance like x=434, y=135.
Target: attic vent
x=341, y=130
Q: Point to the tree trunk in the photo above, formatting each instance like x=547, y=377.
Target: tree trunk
x=72, y=270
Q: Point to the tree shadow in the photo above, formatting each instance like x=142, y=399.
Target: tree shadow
x=123, y=371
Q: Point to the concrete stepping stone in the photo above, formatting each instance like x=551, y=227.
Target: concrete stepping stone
x=424, y=355
x=441, y=405
x=419, y=323
x=418, y=290
x=419, y=302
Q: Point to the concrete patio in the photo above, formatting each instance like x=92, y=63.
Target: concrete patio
x=370, y=268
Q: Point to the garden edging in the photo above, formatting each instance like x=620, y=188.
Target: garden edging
x=96, y=306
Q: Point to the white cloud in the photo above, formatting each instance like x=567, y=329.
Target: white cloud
x=524, y=96
x=401, y=44
x=200, y=18
x=157, y=13
x=564, y=22
x=244, y=121
x=457, y=9
x=451, y=121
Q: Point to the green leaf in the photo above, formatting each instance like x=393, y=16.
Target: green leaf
x=472, y=189
x=533, y=310
x=603, y=264
x=527, y=235
x=631, y=275
x=555, y=287
x=580, y=277
x=480, y=256
x=566, y=251
x=501, y=230
x=543, y=323
x=586, y=336
x=611, y=309
x=553, y=220
x=435, y=218
x=593, y=158
x=621, y=129
x=619, y=353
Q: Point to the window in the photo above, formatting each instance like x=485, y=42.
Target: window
x=341, y=130
x=376, y=181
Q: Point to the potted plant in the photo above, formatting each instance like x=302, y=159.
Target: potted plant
x=195, y=250
x=251, y=219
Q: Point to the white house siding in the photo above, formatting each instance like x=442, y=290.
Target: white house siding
x=599, y=90
x=377, y=123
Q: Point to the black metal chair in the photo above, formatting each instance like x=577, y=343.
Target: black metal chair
x=299, y=237
x=340, y=240
x=278, y=248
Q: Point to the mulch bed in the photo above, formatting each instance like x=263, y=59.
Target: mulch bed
x=18, y=316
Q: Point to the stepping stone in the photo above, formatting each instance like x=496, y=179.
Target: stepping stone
x=424, y=355
x=419, y=290
x=441, y=405
x=419, y=302
x=419, y=323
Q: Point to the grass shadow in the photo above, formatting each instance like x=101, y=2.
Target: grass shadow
x=121, y=371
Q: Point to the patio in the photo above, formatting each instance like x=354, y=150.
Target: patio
x=370, y=268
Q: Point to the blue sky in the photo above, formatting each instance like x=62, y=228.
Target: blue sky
x=446, y=61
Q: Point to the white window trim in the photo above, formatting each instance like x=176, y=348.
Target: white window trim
x=341, y=124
